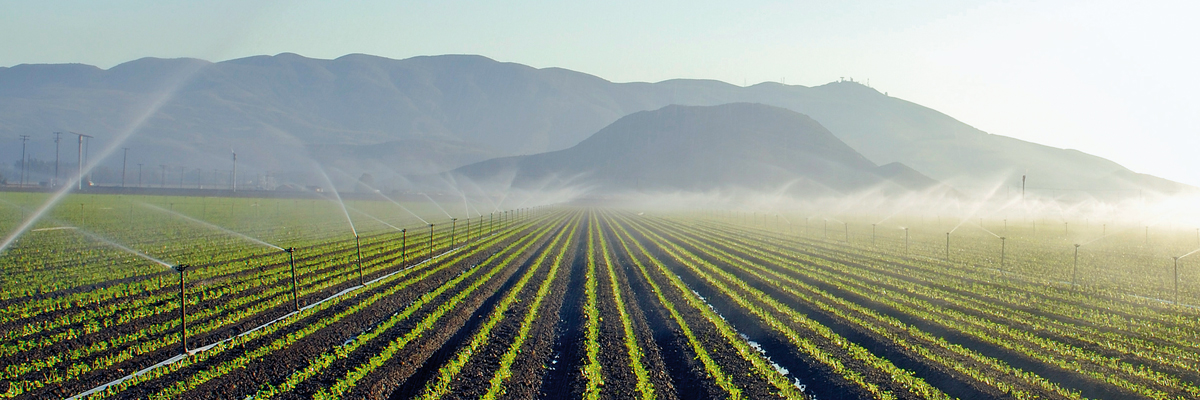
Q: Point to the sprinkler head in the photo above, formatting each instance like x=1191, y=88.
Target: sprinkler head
x=404, y=230
x=289, y=249
x=1077, y=246
x=181, y=267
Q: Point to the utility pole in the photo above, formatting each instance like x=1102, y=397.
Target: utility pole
x=139, y=174
x=1022, y=187
x=181, y=173
x=57, y=136
x=235, y=171
x=86, y=146
x=24, y=138
x=80, y=155
x=124, y=162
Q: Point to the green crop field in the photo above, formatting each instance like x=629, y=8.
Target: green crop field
x=595, y=303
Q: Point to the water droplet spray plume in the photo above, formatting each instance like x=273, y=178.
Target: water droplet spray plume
x=181, y=77
x=211, y=225
x=385, y=197
x=439, y=206
x=337, y=196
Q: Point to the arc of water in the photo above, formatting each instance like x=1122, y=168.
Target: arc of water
x=182, y=77
x=338, y=196
x=211, y=225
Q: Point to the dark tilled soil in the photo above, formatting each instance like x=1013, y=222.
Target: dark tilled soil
x=936, y=375
x=408, y=379
x=1067, y=379
x=562, y=375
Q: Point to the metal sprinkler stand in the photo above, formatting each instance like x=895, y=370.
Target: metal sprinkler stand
x=1002, y=252
x=905, y=242
x=1075, y=267
x=947, y=246
x=1176, y=280
x=292, y=261
x=453, y=224
x=182, y=268
x=403, y=248
x=430, y=241
x=358, y=250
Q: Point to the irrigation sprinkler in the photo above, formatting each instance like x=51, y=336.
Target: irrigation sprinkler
x=1075, y=267
x=453, y=224
x=1176, y=280
x=358, y=250
x=292, y=261
x=872, y=235
x=468, y=228
x=403, y=249
x=1066, y=228
x=491, y=223
x=182, y=269
x=905, y=242
x=430, y=241
x=1002, y=242
x=57, y=137
x=846, y=226
x=124, y=163
x=947, y=246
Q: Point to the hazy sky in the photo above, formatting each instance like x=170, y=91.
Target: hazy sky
x=1113, y=78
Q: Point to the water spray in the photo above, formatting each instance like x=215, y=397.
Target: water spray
x=210, y=225
x=338, y=197
x=439, y=206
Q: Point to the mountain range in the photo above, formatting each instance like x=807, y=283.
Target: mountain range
x=361, y=113
x=737, y=146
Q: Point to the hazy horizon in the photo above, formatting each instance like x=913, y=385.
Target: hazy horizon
x=1104, y=78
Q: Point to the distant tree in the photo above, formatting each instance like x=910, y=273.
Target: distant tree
x=365, y=183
